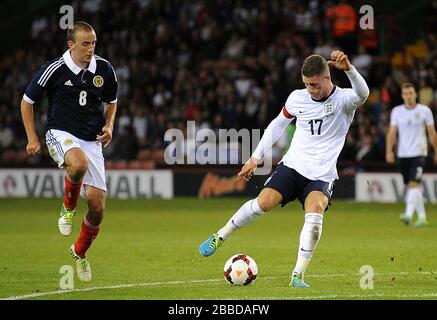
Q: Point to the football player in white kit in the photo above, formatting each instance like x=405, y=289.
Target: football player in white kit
x=308, y=170
x=410, y=120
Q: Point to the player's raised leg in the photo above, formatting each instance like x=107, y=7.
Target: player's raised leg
x=267, y=200
x=89, y=231
x=315, y=205
x=76, y=164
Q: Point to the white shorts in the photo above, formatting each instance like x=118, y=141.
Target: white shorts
x=59, y=142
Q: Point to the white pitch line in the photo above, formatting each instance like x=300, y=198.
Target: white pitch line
x=164, y=283
x=334, y=296
x=120, y=286
x=376, y=274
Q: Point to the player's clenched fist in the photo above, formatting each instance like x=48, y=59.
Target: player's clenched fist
x=340, y=61
x=33, y=147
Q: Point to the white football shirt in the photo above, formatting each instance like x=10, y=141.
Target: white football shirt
x=321, y=128
x=411, y=126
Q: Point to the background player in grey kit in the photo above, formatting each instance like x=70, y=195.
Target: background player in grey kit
x=82, y=92
x=410, y=121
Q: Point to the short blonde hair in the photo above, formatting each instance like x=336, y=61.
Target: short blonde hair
x=78, y=26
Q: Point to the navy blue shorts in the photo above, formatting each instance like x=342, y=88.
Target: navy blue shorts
x=292, y=185
x=412, y=168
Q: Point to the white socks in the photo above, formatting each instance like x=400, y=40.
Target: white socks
x=414, y=200
x=246, y=214
x=309, y=237
x=420, y=206
x=410, y=199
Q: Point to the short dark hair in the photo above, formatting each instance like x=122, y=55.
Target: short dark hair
x=407, y=85
x=78, y=26
x=314, y=65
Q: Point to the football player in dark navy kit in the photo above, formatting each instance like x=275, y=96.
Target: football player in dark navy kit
x=82, y=92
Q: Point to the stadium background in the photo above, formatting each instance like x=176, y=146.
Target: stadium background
x=223, y=64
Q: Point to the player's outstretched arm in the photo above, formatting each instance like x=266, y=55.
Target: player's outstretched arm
x=272, y=134
x=341, y=61
x=33, y=145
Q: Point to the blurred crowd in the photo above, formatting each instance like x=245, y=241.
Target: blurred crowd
x=222, y=63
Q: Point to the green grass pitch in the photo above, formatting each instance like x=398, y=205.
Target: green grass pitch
x=148, y=249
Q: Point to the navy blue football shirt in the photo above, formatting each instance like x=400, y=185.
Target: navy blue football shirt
x=75, y=95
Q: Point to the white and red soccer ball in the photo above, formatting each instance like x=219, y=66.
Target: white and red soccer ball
x=240, y=270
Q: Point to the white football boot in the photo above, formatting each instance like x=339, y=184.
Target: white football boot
x=83, y=266
x=65, y=222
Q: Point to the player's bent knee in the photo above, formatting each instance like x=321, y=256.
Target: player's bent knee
x=80, y=167
x=316, y=206
x=77, y=162
x=264, y=204
x=316, y=202
x=268, y=199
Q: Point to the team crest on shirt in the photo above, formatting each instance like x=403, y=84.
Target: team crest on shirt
x=98, y=81
x=329, y=108
x=68, y=142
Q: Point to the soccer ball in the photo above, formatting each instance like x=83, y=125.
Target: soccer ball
x=240, y=270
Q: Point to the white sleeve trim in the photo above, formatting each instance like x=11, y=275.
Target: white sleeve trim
x=27, y=99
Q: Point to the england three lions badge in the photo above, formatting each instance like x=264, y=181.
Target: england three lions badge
x=329, y=108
